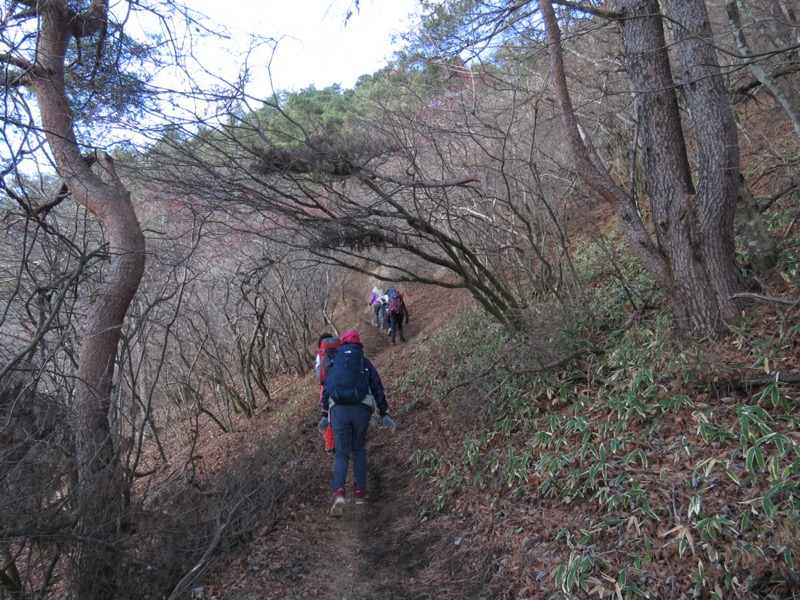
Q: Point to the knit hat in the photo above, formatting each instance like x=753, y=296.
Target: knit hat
x=350, y=337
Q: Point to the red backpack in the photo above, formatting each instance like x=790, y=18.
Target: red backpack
x=326, y=352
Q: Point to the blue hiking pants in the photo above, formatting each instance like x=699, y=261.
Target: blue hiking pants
x=350, y=423
x=383, y=318
x=376, y=315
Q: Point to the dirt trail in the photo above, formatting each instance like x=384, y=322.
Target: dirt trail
x=345, y=565
x=353, y=561
x=367, y=553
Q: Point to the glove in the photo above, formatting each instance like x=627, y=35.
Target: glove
x=323, y=424
x=406, y=320
x=387, y=422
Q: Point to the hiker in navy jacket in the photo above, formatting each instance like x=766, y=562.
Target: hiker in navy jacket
x=347, y=405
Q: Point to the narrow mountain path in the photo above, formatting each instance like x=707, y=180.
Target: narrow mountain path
x=356, y=556
x=368, y=553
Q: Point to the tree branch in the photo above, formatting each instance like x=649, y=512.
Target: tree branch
x=752, y=296
x=422, y=183
x=792, y=185
x=592, y=10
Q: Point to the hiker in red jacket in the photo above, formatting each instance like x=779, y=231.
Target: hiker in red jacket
x=352, y=391
x=396, y=311
x=326, y=340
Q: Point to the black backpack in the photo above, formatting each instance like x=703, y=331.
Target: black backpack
x=347, y=381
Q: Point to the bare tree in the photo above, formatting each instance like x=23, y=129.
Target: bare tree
x=57, y=25
x=437, y=187
x=692, y=258
x=771, y=54
x=42, y=269
x=97, y=365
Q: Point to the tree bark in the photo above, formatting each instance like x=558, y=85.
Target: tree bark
x=98, y=494
x=665, y=163
x=692, y=259
x=718, y=167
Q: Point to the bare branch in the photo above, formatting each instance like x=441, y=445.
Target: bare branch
x=786, y=301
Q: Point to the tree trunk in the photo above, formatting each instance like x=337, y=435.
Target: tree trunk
x=693, y=258
x=98, y=493
x=665, y=163
x=718, y=168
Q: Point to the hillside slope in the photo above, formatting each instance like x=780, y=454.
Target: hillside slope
x=632, y=471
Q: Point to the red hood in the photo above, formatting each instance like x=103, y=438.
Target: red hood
x=350, y=337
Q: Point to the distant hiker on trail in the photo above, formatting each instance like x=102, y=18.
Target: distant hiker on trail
x=384, y=319
x=378, y=315
x=385, y=299
x=352, y=390
x=396, y=310
x=327, y=345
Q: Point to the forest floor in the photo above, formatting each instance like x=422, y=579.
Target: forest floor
x=485, y=543
x=375, y=550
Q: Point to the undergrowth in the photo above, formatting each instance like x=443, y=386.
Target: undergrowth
x=650, y=467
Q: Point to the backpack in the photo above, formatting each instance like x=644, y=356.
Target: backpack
x=395, y=305
x=327, y=352
x=347, y=381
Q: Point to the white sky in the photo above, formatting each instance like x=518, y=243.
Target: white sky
x=316, y=47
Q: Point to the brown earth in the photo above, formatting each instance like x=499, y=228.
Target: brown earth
x=484, y=543
x=377, y=550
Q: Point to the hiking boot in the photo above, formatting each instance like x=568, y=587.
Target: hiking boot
x=337, y=503
x=360, y=495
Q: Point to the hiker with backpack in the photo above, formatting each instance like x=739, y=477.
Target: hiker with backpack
x=352, y=390
x=327, y=345
x=375, y=307
x=384, y=319
x=395, y=311
x=385, y=300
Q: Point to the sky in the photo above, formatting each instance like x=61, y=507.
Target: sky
x=315, y=47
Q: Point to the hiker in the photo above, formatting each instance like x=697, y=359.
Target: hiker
x=352, y=390
x=395, y=311
x=385, y=300
x=327, y=345
x=384, y=319
x=375, y=306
